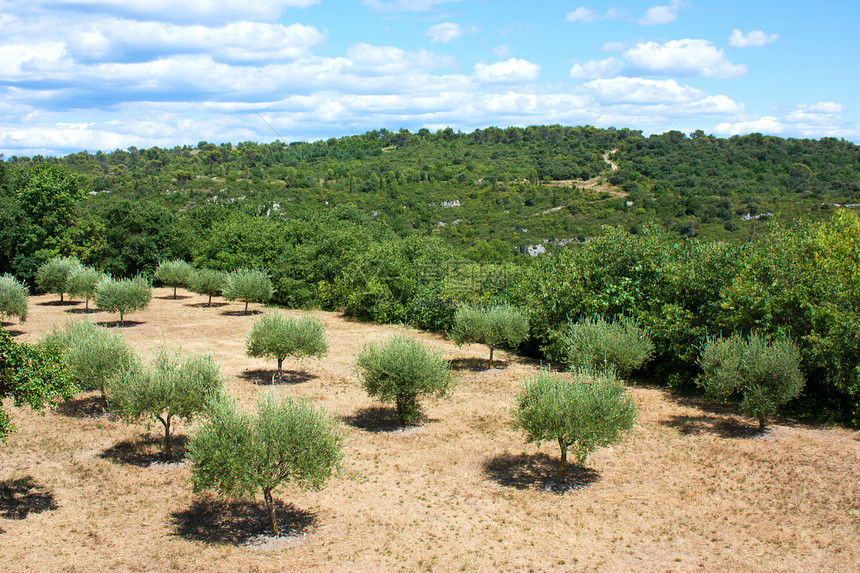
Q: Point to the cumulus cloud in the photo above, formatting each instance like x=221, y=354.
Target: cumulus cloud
x=659, y=92
x=405, y=5
x=596, y=69
x=824, y=107
x=509, y=71
x=389, y=60
x=752, y=39
x=583, y=14
x=189, y=10
x=447, y=32
x=682, y=58
x=808, y=121
x=664, y=14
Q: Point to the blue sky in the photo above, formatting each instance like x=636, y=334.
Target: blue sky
x=111, y=74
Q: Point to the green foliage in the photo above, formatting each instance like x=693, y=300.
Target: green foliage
x=766, y=374
x=172, y=387
x=581, y=413
x=52, y=275
x=13, y=297
x=175, y=273
x=278, y=336
x=49, y=195
x=239, y=455
x=124, y=295
x=248, y=285
x=30, y=375
x=402, y=370
x=81, y=282
x=208, y=282
x=596, y=344
x=501, y=324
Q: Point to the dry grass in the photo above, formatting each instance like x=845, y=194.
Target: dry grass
x=692, y=489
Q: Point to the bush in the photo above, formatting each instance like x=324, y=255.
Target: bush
x=278, y=336
x=208, y=282
x=238, y=454
x=501, y=324
x=766, y=374
x=52, y=274
x=13, y=297
x=248, y=285
x=124, y=295
x=175, y=273
x=81, y=282
x=595, y=344
x=171, y=388
x=581, y=414
x=400, y=371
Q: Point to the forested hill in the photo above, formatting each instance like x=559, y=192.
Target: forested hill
x=494, y=190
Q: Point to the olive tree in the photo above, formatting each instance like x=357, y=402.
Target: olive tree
x=238, y=454
x=278, y=336
x=52, y=274
x=124, y=295
x=81, y=282
x=170, y=388
x=764, y=373
x=208, y=282
x=248, y=285
x=401, y=370
x=597, y=344
x=13, y=297
x=493, y=326
x=581, y=412
x=175, y=273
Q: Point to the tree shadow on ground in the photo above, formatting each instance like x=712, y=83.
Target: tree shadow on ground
x=725, y=427
x=146, y=451
x=262, y=377
x=92, y=406
x=237, y=522
x=379, y=419
x=525, y=471
x=84, y=310
x=250, y=312
x=22, y=496
x=206, y=304
x=118, y=324
x=13, y=332
x=476, y=364
x=171, y=297
x=60, y=302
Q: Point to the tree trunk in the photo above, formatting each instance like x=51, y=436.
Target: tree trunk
x=562, y=465
x=87, y=305
x=210, y=300
x=61, y=297
x=246, y=307
x=270, y=505
x=280, y=373
x=168, y=445
x=760, y=417
x=174, y=293
x=491, y=355
x=120, y=319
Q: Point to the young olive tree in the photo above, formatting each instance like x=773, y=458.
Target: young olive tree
x=123, y=296
x=171, y=388
x=493, y=326
x=175, y=273
x=13, y=297
x=596, y=344
x=208, y=282
x=765, y=373
x=402, y=370
x=239, y=455
x=248, y=285
x=51, y=275
x=581, y=413
x=278, y=336
x=81, y=282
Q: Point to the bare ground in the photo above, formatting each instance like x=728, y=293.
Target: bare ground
x=692, y=489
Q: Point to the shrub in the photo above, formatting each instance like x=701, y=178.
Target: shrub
x=208, y=282
x=596, y=344
x=175, y=273
x=171, y=388
x=238, y=454
x=278, y=336
x=581, y=414
x=766, y=374
x=81, y=282
x=51, y=275
x=13, y=297
x=124, y=295
x=501, y=324
x=400, y=371
x=248, y=285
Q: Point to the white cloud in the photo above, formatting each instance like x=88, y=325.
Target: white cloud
x=824, y=107
x=405, y=5
x=447, y=32
x=583, y=14
x=659, y=92
x=509, y=71
x=614, y=46
x=596, y=69
x=807, y=121
x=388, y=60
x=662, y=14
x=682, y=58
x=752, y=39
x=189, y=10
x=502, y=51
